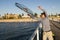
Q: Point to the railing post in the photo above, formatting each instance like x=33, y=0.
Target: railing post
x=37, y=33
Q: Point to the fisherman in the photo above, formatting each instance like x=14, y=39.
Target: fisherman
x=47, y=33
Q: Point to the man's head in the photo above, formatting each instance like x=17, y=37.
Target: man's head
x=43, y=15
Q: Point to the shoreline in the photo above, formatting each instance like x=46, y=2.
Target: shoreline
x=25, y=20
x=18, y=20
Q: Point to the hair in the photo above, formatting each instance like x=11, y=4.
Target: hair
x=43, y=14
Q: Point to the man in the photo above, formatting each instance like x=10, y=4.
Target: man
x=47, y=33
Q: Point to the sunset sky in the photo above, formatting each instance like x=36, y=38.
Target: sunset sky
x=8, y=6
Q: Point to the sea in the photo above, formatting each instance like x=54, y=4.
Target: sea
x=17, y=30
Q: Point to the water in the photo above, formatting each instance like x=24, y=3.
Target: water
x=17, y=30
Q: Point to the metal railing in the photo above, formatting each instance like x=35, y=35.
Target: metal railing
x=36, y=32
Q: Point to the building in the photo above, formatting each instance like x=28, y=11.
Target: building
x=11, y=16
x=26, y=16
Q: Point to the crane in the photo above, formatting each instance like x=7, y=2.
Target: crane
x=24, y=8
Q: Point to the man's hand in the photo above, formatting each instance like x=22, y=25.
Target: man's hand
x=40, y=7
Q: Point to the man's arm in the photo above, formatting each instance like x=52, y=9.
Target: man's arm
x=40, y=8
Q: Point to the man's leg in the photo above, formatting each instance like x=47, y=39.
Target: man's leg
x=50, y=37
x=44, y=36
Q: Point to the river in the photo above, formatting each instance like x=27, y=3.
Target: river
x=17, y=30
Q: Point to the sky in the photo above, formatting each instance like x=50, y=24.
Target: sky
x=8, y=6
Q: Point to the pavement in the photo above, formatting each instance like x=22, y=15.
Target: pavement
x=55, y=27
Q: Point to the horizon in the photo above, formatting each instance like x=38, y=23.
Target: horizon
x=51, y=6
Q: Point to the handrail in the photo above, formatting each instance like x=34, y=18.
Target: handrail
x=36, y=32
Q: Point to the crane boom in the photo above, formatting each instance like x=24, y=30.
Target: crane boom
x=24, y=8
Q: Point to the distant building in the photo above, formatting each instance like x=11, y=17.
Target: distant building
x=11, y=16
x=0, y=17
x=25, y=16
